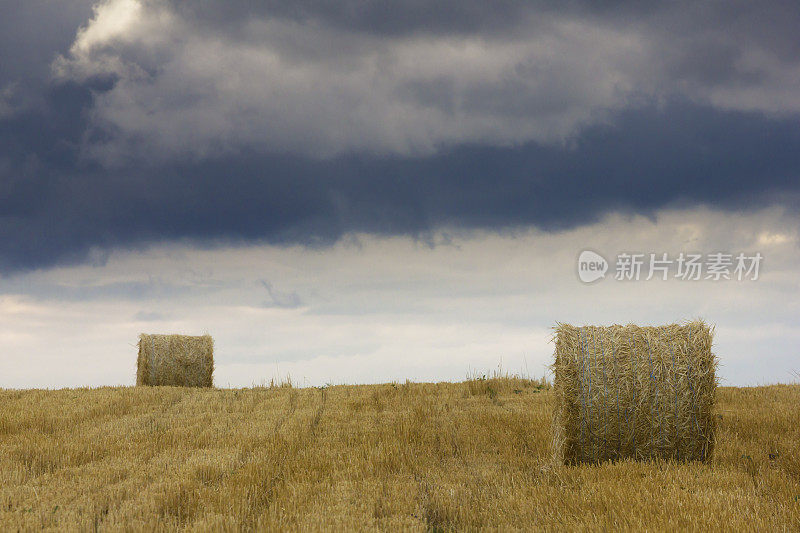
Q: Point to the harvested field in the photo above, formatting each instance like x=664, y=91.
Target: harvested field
x=416, y=456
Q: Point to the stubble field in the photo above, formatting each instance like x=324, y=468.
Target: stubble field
x=409, y=456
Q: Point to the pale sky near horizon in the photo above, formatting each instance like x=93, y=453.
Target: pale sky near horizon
x=388, y=309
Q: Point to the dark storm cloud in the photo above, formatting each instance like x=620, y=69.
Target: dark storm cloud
x=771, y=23
x=31, y=32
x=537, y=125
x=644, y=160
x=710, y=30
x=381, y=18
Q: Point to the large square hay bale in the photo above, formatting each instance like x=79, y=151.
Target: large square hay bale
x=630, y=391
x=176, y=360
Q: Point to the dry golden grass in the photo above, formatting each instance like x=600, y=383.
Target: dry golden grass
x=398, y=456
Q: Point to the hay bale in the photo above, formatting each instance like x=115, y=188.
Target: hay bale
x=176, y=360
x=630, y=391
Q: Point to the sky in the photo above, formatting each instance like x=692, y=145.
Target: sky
x=367, y=191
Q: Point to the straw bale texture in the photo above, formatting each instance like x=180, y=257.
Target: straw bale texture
x=176, y=360
x=630, y=391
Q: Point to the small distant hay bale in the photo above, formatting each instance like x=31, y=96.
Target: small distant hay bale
x=630, y=391
x=175, y=360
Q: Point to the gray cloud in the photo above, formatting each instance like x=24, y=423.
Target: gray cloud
x=282, y=299
x=203, y=79
x=90, y=290
x=182, y=121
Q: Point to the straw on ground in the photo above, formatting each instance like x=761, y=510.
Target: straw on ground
x=394, y=456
